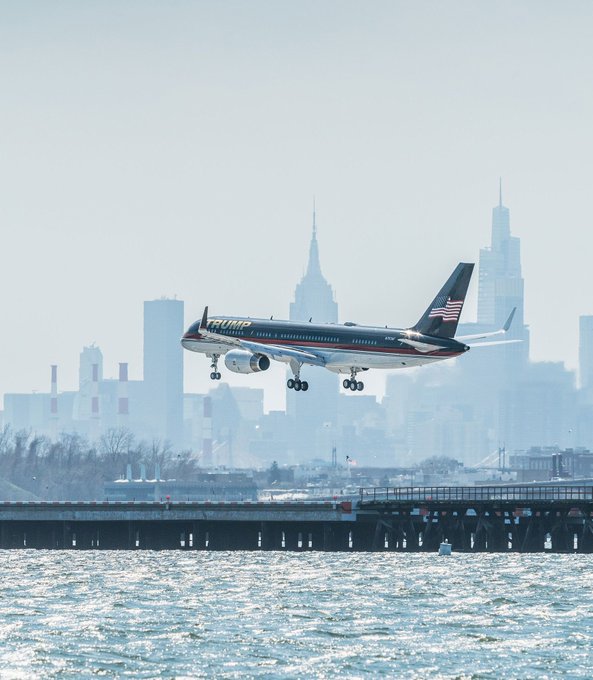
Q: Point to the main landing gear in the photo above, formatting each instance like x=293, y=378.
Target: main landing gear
x=215, y=375
x=353, y=384
x=297, y=384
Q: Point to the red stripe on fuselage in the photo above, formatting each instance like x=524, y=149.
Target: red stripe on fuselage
x=335, y=346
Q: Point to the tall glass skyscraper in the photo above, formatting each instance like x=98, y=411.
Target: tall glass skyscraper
x=501, y=283
x=488, y=379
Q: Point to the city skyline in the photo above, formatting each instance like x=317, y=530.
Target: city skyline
x=467, y=410
x=131, y=171
x=319, y=287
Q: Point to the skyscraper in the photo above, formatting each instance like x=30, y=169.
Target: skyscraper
x=500, y=285
x=163, y=370
x=313, y=296
x=586, y=352
x=486, y=378
x=314, y=412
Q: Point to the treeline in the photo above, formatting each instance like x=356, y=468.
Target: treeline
x=70, y=468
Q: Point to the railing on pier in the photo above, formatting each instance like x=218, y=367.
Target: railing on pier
x=476, y=493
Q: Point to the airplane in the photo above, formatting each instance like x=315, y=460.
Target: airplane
x=249, y=345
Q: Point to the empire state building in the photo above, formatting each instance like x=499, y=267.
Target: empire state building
x=314, y=412
x=313, y=296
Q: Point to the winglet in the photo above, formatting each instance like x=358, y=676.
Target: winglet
x=204, y=321
x=509, y=321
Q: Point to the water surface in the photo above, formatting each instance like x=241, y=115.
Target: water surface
x=71, y=614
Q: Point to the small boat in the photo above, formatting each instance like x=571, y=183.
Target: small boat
x=445, y=548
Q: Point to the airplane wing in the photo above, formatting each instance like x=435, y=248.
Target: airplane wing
x=276, y=352
x=481, y=336
x=285, y=354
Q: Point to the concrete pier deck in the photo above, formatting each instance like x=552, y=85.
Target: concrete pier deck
x=471, y=519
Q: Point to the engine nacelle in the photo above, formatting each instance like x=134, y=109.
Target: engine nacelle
x=241, y=361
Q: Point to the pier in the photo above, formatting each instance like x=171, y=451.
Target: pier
x=416, y=519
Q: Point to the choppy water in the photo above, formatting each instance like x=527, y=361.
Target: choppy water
x=237, y=615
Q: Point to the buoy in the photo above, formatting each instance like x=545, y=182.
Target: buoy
x=445, y=548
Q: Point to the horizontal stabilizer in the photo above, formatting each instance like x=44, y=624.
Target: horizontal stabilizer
x=490, y=334
x=495, y=342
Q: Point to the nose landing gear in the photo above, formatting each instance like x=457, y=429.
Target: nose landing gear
x=215, y=375
x=353, y=384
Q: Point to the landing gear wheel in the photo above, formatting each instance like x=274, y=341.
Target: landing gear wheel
x=304, y=385
x=360, y=386
x=346, y=383
x=290, y=384
x=298, y=385
x=215, y=375
x=353, y=385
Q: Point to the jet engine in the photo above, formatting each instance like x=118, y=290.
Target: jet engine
x=241, y=361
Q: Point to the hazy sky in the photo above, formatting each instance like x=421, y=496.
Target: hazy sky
x=173, y=148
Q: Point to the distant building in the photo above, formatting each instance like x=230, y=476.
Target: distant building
x=500, y=290
x=500, y=279
x=586, y=352
x=486, y=377
x=215, y=486
x=163, y=370
x=541, y=464
x=87, y=402
x=273, y=439
x=150, y=409
x=314, y=412
x=27, y=411
x=541, y=408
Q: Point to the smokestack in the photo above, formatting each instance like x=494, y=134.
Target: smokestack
x=122, y=395
x=53, y=403
x=207, y=433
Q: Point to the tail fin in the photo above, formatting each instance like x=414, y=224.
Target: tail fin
x=442, y=316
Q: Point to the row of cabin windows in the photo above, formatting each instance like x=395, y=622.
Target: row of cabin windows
x=305, y=336
x=292, y=336
x=360, y=341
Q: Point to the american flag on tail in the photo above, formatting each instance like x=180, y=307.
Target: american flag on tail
x=446, y=309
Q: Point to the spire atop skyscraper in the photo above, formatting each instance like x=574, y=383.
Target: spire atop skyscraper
x=501, y=281
x=313, y=295
x=314, y=267
x=314, y=301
